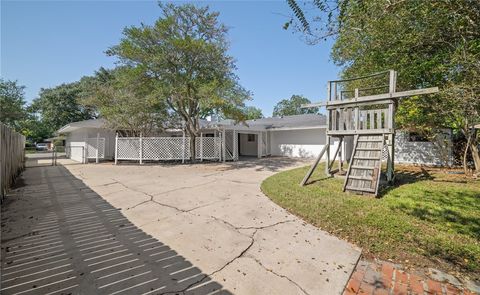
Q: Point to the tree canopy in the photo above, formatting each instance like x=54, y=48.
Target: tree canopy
x=292, y=106
x=61, y=105
x=252, y=113
x=429, y=43
x=127, y=99
x=185, y=54
x=12, y=104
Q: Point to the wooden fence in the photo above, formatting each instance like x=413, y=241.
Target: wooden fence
x=12, y=157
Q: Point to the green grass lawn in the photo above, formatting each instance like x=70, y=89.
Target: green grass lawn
x=430, y=218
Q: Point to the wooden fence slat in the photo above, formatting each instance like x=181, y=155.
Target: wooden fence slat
x=12, y=157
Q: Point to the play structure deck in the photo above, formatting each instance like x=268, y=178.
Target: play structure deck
x=363, y=108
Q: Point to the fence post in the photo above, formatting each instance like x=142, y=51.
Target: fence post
x=141, y=149
x=98, y=146
x=116, y=147
x=201, y=146
x=183, y=146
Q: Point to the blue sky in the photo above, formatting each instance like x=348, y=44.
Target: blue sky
x=46, y=43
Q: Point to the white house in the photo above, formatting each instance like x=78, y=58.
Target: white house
x=291, y=136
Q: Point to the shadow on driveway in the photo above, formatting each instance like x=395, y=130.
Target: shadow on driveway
x=59, y=236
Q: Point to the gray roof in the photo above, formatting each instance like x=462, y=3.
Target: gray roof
x=93, y=123
x=295, y=122
x=272, y=123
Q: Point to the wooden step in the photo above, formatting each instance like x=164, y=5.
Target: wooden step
x=369, y=149
x=370, y=140
x=360, y=177
x=362, y=167
x=366, y=158
x=360, y=189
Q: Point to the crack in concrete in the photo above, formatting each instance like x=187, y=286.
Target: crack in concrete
x=236, y=228
x=280, y=275
x=242, y=253
x=185, y=187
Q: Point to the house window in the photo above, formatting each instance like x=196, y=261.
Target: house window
x=209, y=135
x=415, y=137
x=251, y=137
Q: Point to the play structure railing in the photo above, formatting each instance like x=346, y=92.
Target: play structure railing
x=352, y=110
x=355, y=120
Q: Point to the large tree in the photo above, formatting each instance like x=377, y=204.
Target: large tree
x=429, y=43
x=127, y=99
x=252, y=113
x=293, y=106
x=12, y=104
x=185, y=53
x=61, y=105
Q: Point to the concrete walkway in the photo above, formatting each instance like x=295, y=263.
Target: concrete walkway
x=212, y=218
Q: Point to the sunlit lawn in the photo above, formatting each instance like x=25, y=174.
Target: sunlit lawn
x=430, y=218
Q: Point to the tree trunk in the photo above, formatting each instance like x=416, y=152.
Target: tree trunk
x=465, y=153
x=475, y=152
x=192, y=138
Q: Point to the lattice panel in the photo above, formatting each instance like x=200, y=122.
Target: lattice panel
x=92, y=148
x=165, y=148
x=229, y=144
x=385, y=153
x=207, y=147
x=128, y=148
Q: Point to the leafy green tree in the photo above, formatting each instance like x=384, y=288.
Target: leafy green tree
x=12, y=104
x=293, y=106
x=429, y=43
x=185, y=53
x=252, y=113
x=33, y=128
x=127, y=99
x=60, y=105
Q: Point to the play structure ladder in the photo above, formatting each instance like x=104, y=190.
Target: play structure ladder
x=365, y=167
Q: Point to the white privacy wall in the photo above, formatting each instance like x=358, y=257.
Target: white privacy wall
x=420, y=152
x=302, y=143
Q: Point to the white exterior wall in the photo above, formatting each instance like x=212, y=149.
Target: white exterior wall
x=421, y=152
x=302, y=143
x=76, y=140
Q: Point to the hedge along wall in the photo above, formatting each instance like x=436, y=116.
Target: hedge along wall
x=12, y=157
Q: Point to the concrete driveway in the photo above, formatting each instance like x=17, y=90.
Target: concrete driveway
x=216, y=217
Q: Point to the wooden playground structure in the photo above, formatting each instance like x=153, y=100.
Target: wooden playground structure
x=362, y=108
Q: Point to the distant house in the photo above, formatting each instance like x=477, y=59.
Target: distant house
x=301, y=136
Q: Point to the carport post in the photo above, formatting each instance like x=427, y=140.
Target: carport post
x=96, y=154
x=259, y=144
x=85, y=150
x=224, y=145
x=116, y=147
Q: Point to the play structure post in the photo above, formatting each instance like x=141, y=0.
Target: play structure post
x=327, y=142
x=391, y=125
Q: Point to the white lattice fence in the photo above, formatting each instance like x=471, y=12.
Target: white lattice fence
x=166, y=148
x=207, y=148
x=128, y=148
x=92, y=148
